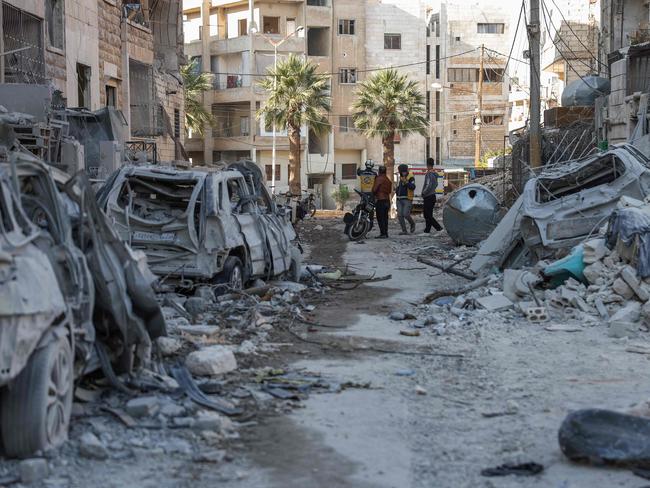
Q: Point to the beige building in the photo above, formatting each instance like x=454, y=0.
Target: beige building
x=348, y=40
x=457, y=29
x=97, y=53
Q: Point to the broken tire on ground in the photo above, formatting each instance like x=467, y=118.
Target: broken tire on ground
x=232, y=274
x=606, y=437
x=35, y=408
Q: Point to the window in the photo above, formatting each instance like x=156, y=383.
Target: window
x=196, y=62
x=493, y=119
x=55, y=29
x=242, y=27
x=269, y=172
x=244, y=125
x=22, y=30
x=318, y=41
x=146, y=117
x=454, y=132
x=177, y=123
x=428, y=67
x=457, y=38
x=435, y=24
x=317, y=3
x=438, y=61
x=437, y=106
x=271, y=25
x=348, y=76
x=216, y=157
x=493, y=75
x=438, y=160
x=427, y=149
x=346, y=124
x=428, y=105
x=83, y=86
x=111, y=96
x=490, y=28
x=392, y=41
x=346, y=27
x=291, y=26
x=349, y=171
x=462, y=74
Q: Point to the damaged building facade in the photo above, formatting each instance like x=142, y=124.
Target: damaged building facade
x=625, y=47
x=103, y=53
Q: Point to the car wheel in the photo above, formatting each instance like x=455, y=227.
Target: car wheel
x=35, y=408
x=232, y=274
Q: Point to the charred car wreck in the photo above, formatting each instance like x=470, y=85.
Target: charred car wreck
x=562, y=206
x=205, y=225
x=73, y=298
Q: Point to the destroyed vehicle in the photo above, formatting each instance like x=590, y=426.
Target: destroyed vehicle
x=204, y=225
x=71, y=299
x=569, y=201
x=561, y=207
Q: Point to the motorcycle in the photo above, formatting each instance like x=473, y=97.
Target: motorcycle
x=360, y=221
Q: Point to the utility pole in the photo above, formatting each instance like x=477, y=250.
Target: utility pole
x=478, y=121
x=535, y=137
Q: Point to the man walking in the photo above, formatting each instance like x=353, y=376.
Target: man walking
x=429, y=197
x=381, y=191
x=404, y=194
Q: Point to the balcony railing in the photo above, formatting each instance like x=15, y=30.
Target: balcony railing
x=234, y=81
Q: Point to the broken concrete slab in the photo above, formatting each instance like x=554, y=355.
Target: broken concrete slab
x=629, y=275
x=33, y=470
x=621, y=328
x=143, y=406
x=595, y=272
x=211, y=360
x=631, y=312
x=517, y=283
x=199, y=330
x=495, y=302
x=594, y=250
x=622, y=288
x=168, y=346
x=91, y=447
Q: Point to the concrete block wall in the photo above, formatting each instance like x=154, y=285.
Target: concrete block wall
x=110, y=49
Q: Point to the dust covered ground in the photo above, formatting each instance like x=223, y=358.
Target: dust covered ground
x=431, y=410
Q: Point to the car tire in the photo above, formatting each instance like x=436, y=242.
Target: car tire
x=295, y=268
x=232, y=274
x=35, y=409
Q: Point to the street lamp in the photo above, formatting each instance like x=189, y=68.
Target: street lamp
x=275, y=45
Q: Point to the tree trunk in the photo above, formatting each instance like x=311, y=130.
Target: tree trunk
x=294, y=161
x=389, y=154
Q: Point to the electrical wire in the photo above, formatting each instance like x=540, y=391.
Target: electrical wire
x=576, y=36
x=565, y=59
x=367, y=70
x=514, y=38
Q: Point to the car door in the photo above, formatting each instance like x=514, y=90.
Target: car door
x=246, y=213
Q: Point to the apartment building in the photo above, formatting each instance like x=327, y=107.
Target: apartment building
x=96, y=53
x=457, y=29
x=569, y=46
x=344, y=38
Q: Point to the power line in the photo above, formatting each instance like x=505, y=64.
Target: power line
x=565, y=59
x=547, y=17
x=514, y=38
x=368, y=70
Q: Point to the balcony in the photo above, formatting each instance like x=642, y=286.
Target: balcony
x=232, y=45
x=293, y=44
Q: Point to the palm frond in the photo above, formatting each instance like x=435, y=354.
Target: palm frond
x=195, y=83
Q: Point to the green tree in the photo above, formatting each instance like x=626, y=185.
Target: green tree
x=389, y=103
x=298, y=96
x=195, y=83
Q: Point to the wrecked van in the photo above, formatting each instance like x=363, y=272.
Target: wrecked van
x=204, y=225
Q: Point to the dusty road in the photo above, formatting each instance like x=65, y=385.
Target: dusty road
x=502, y=402
x=495, y=391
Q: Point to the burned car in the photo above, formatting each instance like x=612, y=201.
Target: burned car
x=73, y=298
x=562, y=206
x=204, y=225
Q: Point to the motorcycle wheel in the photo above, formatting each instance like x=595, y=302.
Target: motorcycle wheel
x=312, y=209
x=358, y=230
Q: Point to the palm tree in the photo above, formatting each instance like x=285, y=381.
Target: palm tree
x=298, y=96
x=195, y=83
x=388, y=103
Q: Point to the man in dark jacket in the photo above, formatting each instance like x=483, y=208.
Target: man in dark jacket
x=429, y=197
x=404, y=194
x=381, y=191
